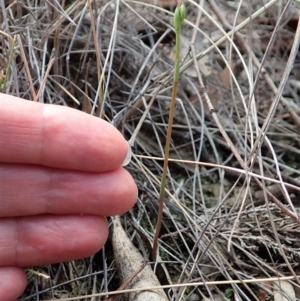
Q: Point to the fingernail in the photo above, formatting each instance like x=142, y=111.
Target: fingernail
x=128, y=156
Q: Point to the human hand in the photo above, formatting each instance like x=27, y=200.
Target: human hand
x=60, y=175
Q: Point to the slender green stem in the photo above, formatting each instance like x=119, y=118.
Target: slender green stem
x=177, y=57
x=178, y=21
x=37, y=273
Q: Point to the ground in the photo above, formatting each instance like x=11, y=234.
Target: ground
x=232, y=201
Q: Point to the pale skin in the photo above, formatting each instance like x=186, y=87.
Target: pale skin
x=60, y=175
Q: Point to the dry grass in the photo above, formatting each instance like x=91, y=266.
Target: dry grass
x=232, y=210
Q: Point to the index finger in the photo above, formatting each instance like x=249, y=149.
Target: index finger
x=56, y=136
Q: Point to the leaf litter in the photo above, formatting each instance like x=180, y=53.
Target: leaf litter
x=220, y=223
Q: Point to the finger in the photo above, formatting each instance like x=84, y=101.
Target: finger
x=40, y=240
x=32, y=190
x=13, y=282
x=57, y=136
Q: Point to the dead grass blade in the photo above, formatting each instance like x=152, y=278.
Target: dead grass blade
x=114, y=59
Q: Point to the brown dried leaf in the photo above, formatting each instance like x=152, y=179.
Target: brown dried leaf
x=224, y=77
x=262, y=293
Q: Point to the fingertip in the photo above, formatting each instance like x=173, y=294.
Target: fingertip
x=13, y=283
x=130, y=194
x=99, y=240
x=114, y=147
x=121, y=194
x=88, y=143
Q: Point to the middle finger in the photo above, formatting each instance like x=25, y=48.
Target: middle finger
x=34, y=190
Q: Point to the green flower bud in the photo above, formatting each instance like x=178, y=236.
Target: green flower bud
x=179, y=16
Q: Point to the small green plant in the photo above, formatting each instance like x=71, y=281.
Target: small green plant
x=228, y=293
x=179, y=16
